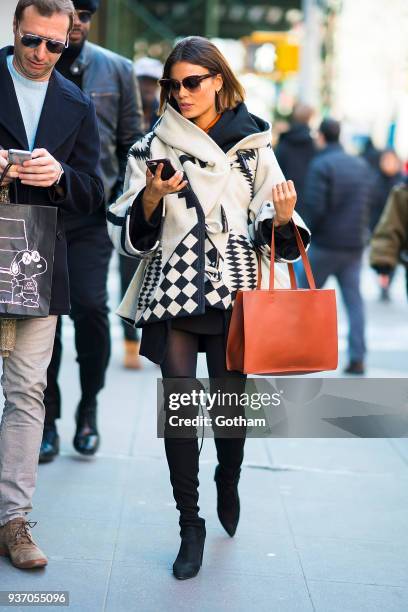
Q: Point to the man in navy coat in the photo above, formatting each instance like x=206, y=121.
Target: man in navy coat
x=42, y=112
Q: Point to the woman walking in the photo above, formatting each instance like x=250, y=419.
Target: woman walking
x=199, y=233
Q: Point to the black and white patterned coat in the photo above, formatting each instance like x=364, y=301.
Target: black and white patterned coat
x=210, y=233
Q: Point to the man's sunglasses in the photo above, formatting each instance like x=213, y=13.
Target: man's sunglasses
x=32, y=41
x=191, y=83
x=84, y=16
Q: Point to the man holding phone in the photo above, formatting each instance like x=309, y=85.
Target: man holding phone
x=61, y=173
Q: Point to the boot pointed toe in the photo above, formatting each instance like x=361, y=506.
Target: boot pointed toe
x=228, y=503
x=230, y=527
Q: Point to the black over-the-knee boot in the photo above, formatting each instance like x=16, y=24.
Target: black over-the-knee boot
x=182, y=456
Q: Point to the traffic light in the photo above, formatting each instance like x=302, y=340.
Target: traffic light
x=275, y=53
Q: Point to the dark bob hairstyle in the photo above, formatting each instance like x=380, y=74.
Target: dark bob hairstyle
x=201, y=52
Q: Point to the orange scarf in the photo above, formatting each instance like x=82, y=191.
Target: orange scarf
x=213, y=122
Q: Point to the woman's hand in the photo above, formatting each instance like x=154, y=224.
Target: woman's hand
x=284, y=199
x=156, y=189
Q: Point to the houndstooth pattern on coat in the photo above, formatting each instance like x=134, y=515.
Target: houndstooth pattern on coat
x=240, y=272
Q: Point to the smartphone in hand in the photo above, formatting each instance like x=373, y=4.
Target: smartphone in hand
x=17, y=157
x=168, y=170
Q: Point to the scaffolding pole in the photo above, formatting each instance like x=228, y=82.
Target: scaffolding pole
x=113, y=29
x=310, y=67
x=212, y=18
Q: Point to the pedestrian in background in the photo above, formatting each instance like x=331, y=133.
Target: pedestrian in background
x=110, y=81
x=148, y=72
x=389, y=243
x=192, y=232
x=42, y=112
x=385, y=178
x=371, y=154
x=336, y=201
x=296, y=149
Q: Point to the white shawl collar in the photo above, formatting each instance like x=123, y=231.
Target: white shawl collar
x=186, y=138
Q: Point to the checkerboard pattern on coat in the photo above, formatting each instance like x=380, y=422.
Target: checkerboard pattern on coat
x=177, y=293
x=217, y=295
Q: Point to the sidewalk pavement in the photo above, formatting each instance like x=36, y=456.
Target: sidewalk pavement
x=324, y=522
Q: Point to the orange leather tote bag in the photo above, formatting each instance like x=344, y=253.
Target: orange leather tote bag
x=283, y=331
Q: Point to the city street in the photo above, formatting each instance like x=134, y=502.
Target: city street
x=324, y=522
x=187, y=126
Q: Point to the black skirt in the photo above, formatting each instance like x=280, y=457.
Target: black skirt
x=154, y=335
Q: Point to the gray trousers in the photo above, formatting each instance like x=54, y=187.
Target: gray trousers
x=24, y=380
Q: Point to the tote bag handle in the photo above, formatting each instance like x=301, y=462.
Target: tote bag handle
x=303, y=254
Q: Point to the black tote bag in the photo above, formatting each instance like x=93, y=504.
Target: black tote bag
x=27, y=246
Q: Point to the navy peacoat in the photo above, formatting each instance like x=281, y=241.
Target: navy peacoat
x=68, y=130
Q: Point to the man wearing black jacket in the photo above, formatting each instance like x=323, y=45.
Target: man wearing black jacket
x=296, y=149
x=42, y=112
x=110, y=81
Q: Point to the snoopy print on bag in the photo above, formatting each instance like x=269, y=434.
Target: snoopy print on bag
x=19, y=266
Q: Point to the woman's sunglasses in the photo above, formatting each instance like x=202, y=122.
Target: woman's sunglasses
x=32, y=41
x=191, y=83
x=84, y=16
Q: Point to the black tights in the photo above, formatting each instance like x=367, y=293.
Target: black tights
x=182, y=453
